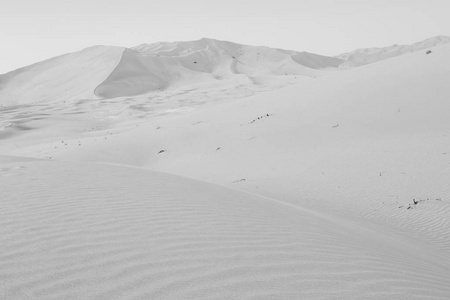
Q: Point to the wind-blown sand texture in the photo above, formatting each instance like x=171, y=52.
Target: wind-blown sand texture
x=320, y=183
x=108, y=232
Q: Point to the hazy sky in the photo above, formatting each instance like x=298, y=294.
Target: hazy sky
x=32, y=30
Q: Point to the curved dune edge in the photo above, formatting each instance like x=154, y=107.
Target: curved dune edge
x=64, y=78
x=155, y=67
x=94, y=231
x=130, y=77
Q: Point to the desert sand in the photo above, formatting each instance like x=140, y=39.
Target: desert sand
x=214, y=170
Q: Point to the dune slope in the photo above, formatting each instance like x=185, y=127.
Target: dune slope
x=63, y=78
x=95, y=231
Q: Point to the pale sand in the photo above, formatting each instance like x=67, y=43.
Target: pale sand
x=317, y=173
x=91, y=231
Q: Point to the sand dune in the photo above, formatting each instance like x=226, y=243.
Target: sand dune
x=109, y=232
x=332, y=184
x=345, y=142
x=160, y=66
x=109, y=72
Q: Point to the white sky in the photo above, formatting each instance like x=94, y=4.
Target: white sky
x=34, y=30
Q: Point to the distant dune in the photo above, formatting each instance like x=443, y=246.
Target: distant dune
x=366, y=56
x=109, y=72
